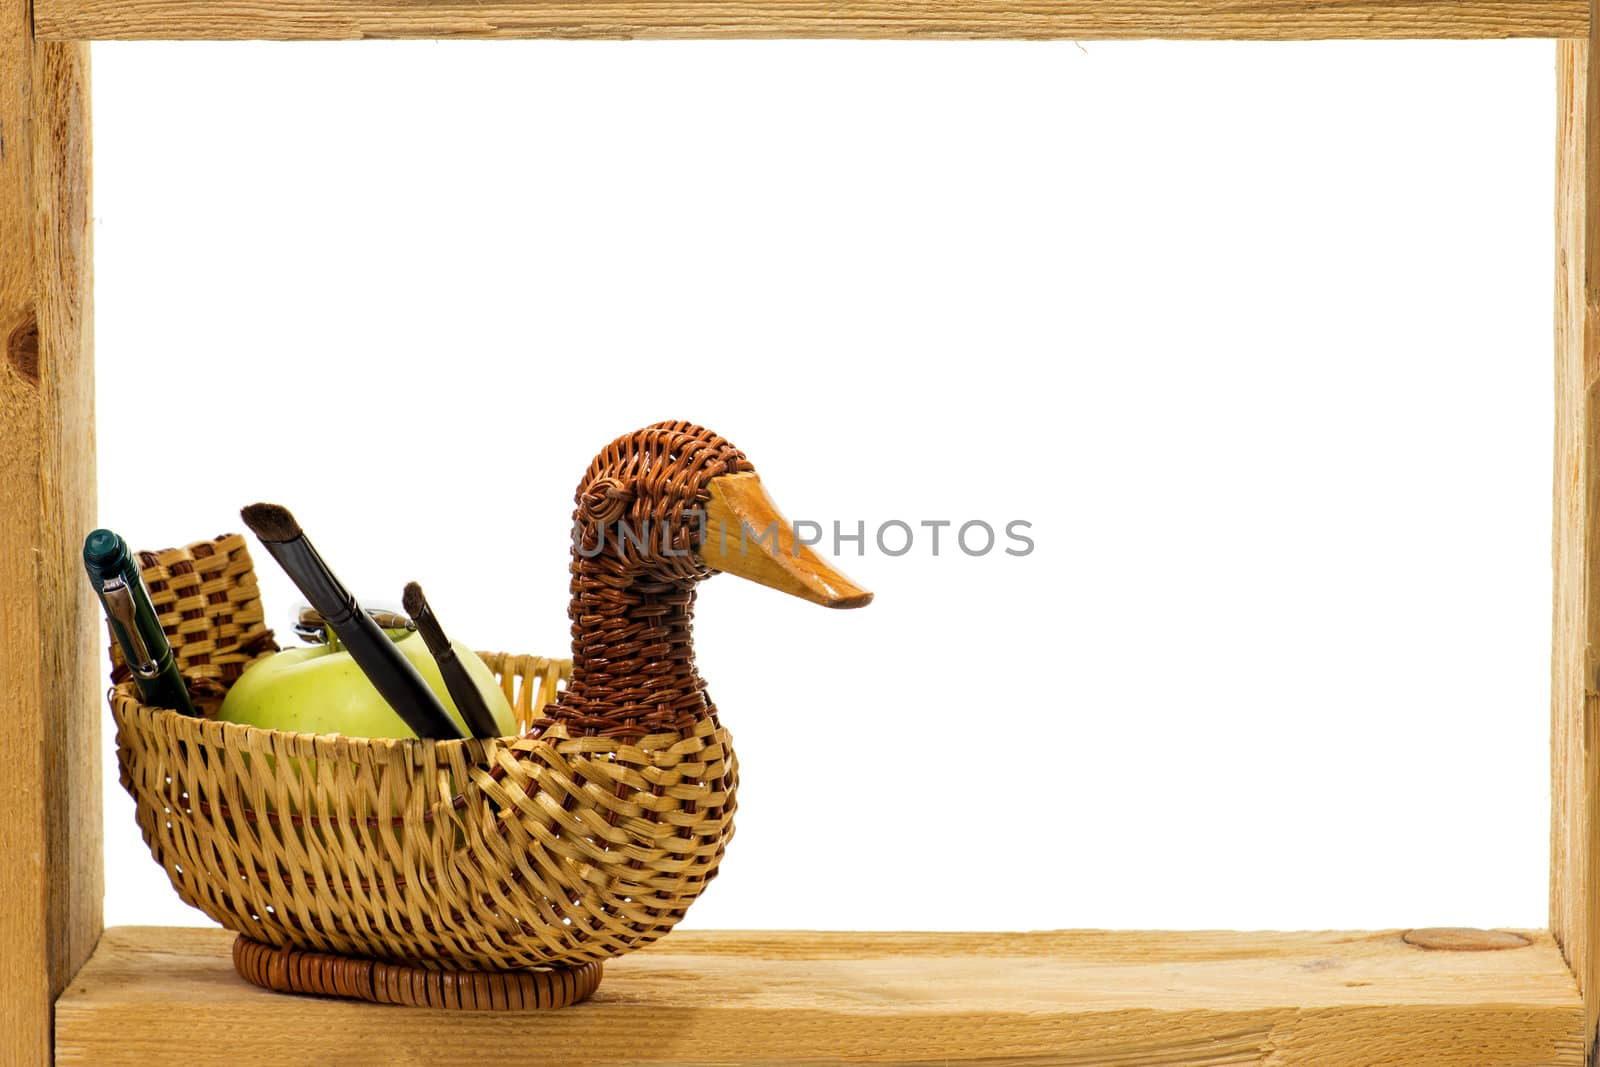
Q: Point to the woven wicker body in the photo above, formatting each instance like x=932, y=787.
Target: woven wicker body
x=586, y=837
x=457, y=854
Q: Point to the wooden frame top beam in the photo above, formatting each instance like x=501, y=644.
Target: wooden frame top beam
x=1027, y=19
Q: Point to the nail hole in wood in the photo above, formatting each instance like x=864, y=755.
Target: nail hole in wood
x=1464, y=939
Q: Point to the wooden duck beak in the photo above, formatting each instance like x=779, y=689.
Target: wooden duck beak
x=746, y=534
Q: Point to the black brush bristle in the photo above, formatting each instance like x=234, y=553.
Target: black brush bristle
x=463, y=691
x=416, y=606
x=270, y=522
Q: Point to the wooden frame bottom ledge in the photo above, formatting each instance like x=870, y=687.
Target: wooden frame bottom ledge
x=170, y=995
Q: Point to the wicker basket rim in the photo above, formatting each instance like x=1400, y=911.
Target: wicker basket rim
x=422, y=752
x=240, y=735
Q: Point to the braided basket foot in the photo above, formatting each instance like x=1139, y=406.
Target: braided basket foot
x=289, y=970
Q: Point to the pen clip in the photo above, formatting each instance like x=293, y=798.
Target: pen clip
x=119, y=603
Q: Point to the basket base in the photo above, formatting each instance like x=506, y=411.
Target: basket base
x=324, y=974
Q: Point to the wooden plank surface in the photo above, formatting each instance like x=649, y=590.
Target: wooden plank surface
x=1575, y=655
x=1072, y=19
x=170, y=995
x=50, y=858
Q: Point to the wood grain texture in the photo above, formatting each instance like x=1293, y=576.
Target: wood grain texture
x=1575, y=666
x=1071, y=19
x=51, y=883
x=171, y=995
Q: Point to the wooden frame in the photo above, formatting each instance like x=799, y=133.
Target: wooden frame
x=71, y=990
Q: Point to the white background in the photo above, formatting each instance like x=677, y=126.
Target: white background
x=1256, y=336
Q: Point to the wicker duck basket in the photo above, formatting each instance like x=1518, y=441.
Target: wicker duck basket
x=480, y=873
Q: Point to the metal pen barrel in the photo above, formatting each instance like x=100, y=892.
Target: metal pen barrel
x=115, y=577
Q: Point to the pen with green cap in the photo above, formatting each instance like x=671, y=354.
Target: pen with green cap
x=115, y=576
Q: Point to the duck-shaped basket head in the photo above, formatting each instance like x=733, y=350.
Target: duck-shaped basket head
x=586, y=837
x=658, y=511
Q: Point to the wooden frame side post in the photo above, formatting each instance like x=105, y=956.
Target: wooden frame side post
x=51, y=881
x=1575, y=655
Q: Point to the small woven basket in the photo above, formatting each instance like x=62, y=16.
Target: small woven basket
x=415, y=871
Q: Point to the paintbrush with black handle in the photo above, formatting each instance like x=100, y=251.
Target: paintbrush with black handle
x=469, y=701
x=396, y=680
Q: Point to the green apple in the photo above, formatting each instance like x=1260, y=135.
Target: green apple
x=321, y=690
